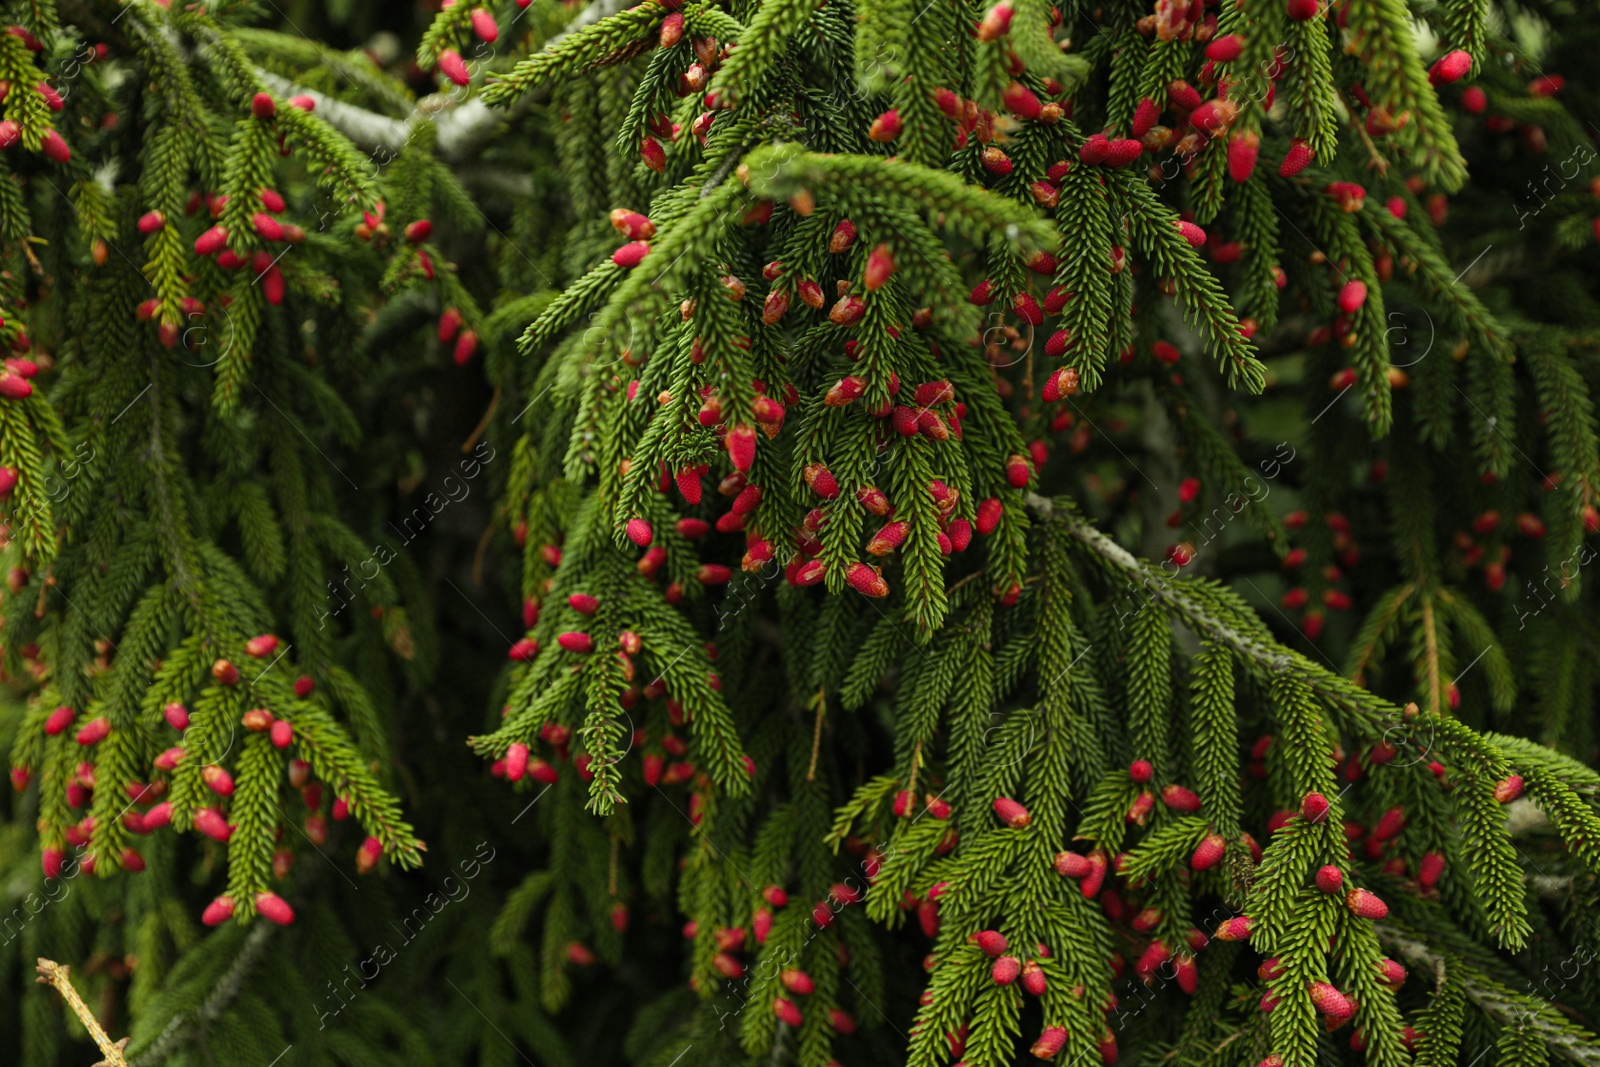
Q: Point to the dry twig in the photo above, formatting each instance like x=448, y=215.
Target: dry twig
x=55, y=974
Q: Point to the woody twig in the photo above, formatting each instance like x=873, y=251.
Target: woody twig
x=55, y=974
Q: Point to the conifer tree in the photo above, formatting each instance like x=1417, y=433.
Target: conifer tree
x=795, y=532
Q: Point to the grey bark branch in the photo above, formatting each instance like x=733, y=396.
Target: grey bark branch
x=1135, y=569
x=182, y=1028
x=1331, y=686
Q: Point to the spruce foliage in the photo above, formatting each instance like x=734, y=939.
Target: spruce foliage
x=857, y=532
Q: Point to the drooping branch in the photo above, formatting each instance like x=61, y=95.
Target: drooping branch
x=366, y=128
x=461, y=129
x=182, y=1028
x=1179, y=597
x=1504, y=1006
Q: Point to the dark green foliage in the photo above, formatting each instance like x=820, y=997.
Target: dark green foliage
x=919, y=514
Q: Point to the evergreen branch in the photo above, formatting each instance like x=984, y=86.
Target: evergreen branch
x=1235, y=630
x=1505, y=1006
x=605, y=42
x=783, y=170
x=1155, y=230
x=368, y=129
x=1439, y=280
x=1049, y=728
x=1377, y=629
x=759, y=46
x=353, y=67
x=182, y=1028
x=461, y=130
x=1396, y=80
